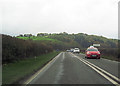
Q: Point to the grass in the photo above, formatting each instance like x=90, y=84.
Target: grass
x=114, y=58
x=37, y=38
x=15, y=71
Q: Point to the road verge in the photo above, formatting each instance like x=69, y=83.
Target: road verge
x=14, y=73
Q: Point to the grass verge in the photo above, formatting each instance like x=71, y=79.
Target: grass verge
x=114, y=58
x=15, y=71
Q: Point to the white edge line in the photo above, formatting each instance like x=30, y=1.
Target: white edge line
x=37, y=73
x=114, y=82
x=100, y=69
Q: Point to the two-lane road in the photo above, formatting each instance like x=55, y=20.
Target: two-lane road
x=68, y=68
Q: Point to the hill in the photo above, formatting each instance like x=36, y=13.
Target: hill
x=80, y=40
x=65, y=41
x=37, y=38
x=85, y=40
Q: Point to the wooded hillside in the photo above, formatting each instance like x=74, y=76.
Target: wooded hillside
x=27, y=45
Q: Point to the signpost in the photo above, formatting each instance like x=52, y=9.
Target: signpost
x=97, y=45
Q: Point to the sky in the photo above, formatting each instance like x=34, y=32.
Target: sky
x=93, y=17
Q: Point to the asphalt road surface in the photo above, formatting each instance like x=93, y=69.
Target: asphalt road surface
x=69, y=68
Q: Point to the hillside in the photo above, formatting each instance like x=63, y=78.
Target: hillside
x=55, y=43
x=37, y=38
x=63, y=41
x=85, y=40
x=19, y=47
x=80, y=40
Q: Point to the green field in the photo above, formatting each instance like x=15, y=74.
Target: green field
x=13, y=72
x=37, y=38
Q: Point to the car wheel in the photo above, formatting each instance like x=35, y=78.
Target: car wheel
x=86, y=57
x=98, y=58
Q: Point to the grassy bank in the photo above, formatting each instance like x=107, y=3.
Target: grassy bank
x=114, y=58
x=15, y=71
x=37, y=38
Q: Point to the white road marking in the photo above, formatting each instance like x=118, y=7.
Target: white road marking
x=63, y=56
x=37, y=73
x=104, y=71
x=93, y=67
x=99, y=72
x=59, y=74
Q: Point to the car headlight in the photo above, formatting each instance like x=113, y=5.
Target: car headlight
x=88, y=53
x=98, y=52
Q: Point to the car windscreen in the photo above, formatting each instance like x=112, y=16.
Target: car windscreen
x=76, y=49
x=92, y=49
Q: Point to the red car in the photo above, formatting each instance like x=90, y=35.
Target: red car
x=92, y=53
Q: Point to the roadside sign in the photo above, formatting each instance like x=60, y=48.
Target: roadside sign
x=91, y=46
x=96, y=44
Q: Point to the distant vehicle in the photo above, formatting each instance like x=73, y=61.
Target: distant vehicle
x=68, y=50
x=76, y=50
x=71, y=50
x=92, y=52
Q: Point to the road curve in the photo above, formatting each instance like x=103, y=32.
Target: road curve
x=68, y=68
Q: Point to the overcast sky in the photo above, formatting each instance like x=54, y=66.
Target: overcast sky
x=98, y=17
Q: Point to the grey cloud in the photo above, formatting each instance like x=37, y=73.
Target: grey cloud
x=73, y=16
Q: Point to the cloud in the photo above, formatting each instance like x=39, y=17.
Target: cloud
x=98, y=17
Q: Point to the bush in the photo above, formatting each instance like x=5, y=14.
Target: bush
x=15, y=49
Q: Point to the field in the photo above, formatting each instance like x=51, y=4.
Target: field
x=37, y=38
x=18, y=70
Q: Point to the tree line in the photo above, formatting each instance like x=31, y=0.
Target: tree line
x=14, y=48
x=83, y=41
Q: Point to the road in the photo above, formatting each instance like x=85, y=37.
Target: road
x=69, y=68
